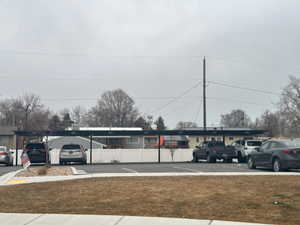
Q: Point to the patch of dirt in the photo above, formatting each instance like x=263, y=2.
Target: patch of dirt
x=44, y=171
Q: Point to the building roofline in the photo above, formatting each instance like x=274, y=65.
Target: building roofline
x=222, y=132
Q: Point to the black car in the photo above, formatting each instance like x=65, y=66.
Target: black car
x=280, y=155
x=37, y=152
x=213, y=150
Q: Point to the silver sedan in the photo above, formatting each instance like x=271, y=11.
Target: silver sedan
x=6, y=156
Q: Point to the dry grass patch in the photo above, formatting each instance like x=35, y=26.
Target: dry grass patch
x=261, y=199
x=45, y=171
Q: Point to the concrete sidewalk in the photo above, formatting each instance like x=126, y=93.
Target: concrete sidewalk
x=10, y=179
x=68, y=219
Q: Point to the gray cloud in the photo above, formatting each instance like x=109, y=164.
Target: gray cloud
x=60, y=49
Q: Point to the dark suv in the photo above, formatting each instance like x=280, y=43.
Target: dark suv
x=37, y=152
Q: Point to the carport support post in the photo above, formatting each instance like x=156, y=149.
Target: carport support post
x=158, y=148
x=17, y=150
x=91, y=149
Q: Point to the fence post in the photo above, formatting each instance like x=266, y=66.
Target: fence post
x=17, y=146
x=158, y=148
x=91, y=149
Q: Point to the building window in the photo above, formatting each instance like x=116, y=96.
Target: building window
x=133, y=140
x=197, y=140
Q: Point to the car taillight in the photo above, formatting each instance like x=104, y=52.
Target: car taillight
x=289, y=151
x=81, y=150
x=25, y=150
x=3, y=153
x=62, y=150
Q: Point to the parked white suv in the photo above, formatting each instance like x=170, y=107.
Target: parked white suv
x=244, y=147
x=72, y=153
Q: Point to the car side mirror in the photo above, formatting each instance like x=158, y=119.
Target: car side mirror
x=86, y=149
x=257, y=149
x=11, y=152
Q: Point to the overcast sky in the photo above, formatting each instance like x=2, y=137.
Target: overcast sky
x=70, y=51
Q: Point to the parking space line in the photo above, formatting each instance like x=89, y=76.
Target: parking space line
x=130, y=170
x=188, y=169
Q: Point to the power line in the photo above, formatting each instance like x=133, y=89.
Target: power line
x=198, y=112
x=157, y=98
x=80, y=54
x=244, y=88
x=177, y=98
x=233, y=100
x=186, y=105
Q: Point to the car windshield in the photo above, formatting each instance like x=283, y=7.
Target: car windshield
x=254, y=143
x=291, y=143
x=212, y=144
x=2, y=149
x=35, y=146
x=70, y=147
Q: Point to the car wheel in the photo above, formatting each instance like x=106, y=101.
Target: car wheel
x=251, y=163
x=195, y=159
x=210, y=159
x=241, y=159
x=277, y=167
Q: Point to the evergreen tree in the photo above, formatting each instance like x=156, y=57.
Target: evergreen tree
x=160, y=124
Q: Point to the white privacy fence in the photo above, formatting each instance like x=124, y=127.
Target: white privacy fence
x=127, y=155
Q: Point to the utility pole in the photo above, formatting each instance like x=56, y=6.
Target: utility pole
x=204, y=94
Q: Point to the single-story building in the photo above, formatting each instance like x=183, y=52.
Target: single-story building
x=58, y=142
x=134, y=142
x=237, y=134
x=7, y=136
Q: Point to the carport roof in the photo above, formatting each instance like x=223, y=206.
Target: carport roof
x=196, y=132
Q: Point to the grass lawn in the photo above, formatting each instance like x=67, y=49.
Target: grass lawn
x=261, y=199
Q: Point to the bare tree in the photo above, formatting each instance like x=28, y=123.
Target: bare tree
x=25, y=112
x=77, y=114
x=183, y=125
x=114, y=108
x=290, y=107
x=236, y=119
x=271, y=122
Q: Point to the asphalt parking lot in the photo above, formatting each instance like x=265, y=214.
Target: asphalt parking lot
x=169, y=167
x=156, y=168
x=6, y=169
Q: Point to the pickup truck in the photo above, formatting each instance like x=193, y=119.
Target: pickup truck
x=213, y=150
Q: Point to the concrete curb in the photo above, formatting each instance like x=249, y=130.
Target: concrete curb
x=77, y=172
x=11, y=180
x=8, y=176
x=74, y=171
x=69, y=219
